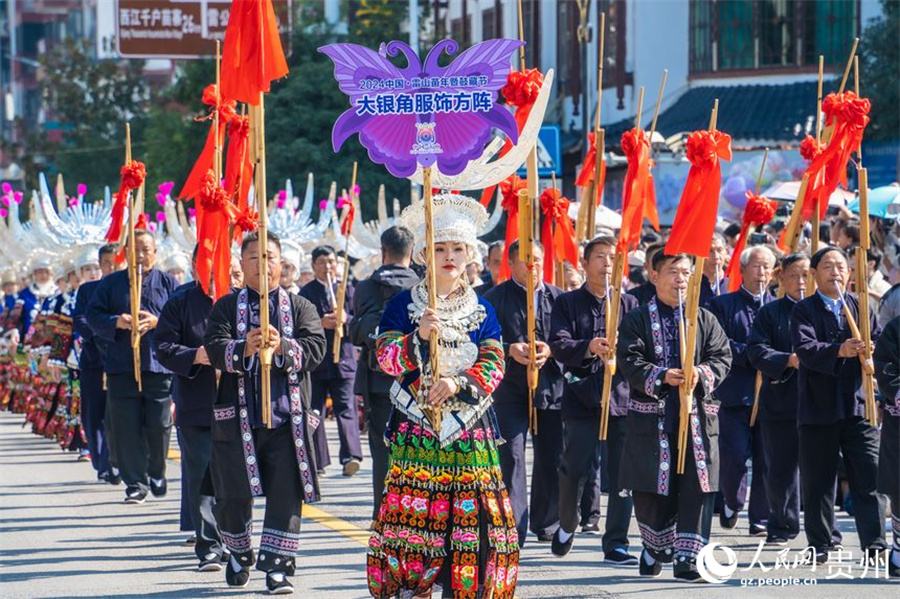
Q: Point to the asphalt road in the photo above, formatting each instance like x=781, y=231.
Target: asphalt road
x=62, y=534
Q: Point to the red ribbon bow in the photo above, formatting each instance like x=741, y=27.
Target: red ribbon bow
x=695, y=220
x=758, y=211
x=509, y=189
x=557, y=233
x=521, y=90
x=132, y=177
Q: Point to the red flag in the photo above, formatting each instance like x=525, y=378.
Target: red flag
x=695, y=220
x=510, y=188
x=252, y=56
x=588, y=166
x=521, y=90
x=239, y=169
x=638, y=189
x=557, y=233
x=192, y=185
x=759, y=211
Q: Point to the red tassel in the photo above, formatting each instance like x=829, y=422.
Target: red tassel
x=252, y=56
x=695, y=220
x=204, y=162
x=214, y=248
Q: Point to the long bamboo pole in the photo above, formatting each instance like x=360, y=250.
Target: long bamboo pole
x=527, y=200
x=434, y=415
x=265, y=354
x=134, y=273
x=759, y=377
x=612, y=300
x=342, y=284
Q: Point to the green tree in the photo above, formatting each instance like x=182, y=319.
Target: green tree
x=879, y=57
x=89, y=101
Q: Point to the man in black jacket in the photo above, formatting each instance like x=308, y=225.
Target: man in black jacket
x=770, y=351
x=511, y=398
x=179, y=347
x=579, y=342
x=830, y=414
x=887, y=372
x=372, y=294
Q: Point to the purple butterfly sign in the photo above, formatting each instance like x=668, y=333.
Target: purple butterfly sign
x=423, y=114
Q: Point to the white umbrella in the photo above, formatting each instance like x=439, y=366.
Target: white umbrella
x=606, y=217
x=787, y=191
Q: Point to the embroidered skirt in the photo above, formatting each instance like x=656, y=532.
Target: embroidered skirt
x=445, y=517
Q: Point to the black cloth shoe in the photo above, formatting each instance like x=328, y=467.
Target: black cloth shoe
x=543, y=537
x=591, y=529
x=159, y=490
x=620, y=557
x=211, y=563
x=113, y=478
x=757, y=531
x=645, y=569
x=776, y=540
x=279, y=587
x=241, y=578
x=557, y=547
x=728, y=522
x=893, y=570
x=685, y=570
x=134, y=495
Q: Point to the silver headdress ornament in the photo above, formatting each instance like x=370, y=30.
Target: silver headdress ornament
x=456, y=218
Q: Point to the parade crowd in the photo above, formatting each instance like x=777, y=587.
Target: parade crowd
x=453, y=503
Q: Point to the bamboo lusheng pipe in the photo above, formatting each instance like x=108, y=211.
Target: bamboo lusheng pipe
x=612, y=334
x=865, y=358
x=686, y=390
x=434, y=415
x=265, y=354
x=342, y=283
x=612, y=299
x=862, y=293
x=527, y=200
x=134, y=274
x=586, y=224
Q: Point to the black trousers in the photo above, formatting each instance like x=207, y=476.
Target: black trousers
x=738, y=443
x=343, y=404
x=820, y=447
x=196, y=449
x=581, y=450
x=284, y=503
x=93, y=414
x=378, y=411
x=543, y=507
x=781, y=445
x=142, y=425
x=676, y=525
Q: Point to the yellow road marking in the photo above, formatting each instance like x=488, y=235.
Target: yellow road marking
x=340, y=526
x=351, y=531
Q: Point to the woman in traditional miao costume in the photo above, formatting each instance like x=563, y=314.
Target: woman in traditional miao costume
x=445, y=516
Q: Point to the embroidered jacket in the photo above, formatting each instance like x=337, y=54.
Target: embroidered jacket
x=648, y=346
x=236, y=411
